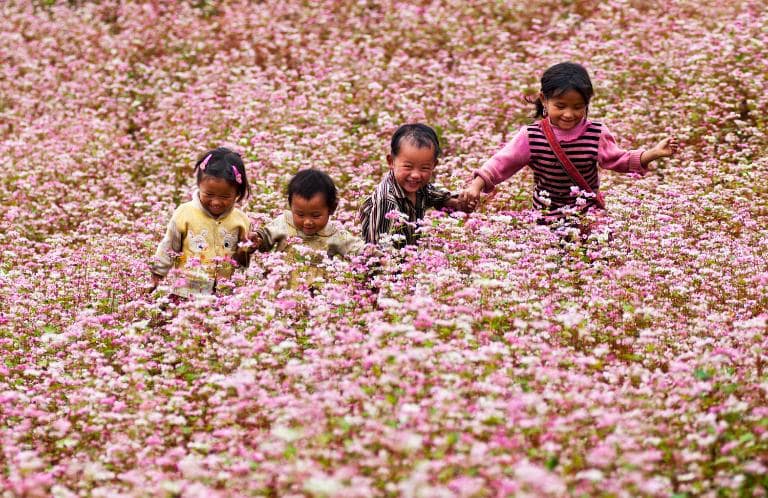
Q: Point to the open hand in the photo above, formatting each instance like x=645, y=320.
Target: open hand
x=666, y=147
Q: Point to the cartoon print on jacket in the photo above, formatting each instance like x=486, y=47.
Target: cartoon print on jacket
x=229, y=239
x=198, y=242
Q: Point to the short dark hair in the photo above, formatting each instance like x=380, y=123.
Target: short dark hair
x=417, y=133
x=561, y=78
x=310, y=182
x=219, y=163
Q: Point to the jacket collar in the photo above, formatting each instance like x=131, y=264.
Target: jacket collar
x=573, y=133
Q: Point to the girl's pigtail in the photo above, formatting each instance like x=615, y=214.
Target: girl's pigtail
x=540, y=112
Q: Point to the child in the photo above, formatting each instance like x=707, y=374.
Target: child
x=406, y=188
x=563, y=103
x=312, y=199
x=203, y=235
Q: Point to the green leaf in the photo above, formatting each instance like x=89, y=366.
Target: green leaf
x=552, y=462
x=702, y=374
x=745, y=438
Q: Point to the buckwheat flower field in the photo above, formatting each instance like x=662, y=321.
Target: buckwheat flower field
x=489, y=361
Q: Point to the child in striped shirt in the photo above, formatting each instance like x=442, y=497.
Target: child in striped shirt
x=564, y=102
x=406, y=192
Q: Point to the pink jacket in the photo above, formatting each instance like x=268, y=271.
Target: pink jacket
x=517, y=153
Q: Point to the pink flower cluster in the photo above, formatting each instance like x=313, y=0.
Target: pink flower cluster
x=489, y=361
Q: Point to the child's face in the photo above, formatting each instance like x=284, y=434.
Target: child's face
x=566, y=110
x=413, y=166
x=310, y=215
x=216, y=194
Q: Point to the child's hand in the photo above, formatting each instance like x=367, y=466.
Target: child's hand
x=665, y=148
x=470, y=196
x=255, y=239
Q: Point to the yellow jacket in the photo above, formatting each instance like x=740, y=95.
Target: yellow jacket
x=331, y=240
x=201, y=245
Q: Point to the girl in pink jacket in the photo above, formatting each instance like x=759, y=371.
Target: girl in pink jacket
x=564, y=102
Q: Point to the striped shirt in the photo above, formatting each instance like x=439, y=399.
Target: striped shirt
x=388, y=197
x=588, y=145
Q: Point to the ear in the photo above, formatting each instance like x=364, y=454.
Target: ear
x=390, y=161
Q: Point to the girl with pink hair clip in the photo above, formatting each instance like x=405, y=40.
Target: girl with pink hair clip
x=203, y=238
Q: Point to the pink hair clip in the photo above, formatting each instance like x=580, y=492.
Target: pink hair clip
x=205, y=162
x=238, y=178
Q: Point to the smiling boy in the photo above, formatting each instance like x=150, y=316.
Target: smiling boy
x=406, y=188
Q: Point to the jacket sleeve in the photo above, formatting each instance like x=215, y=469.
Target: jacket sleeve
x=169, y=248
x=437, y=196
x=612, y=157
x=345, y=244
x=509, y=160
x=272, y=233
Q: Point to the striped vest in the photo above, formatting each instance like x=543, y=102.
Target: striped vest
x=551, y=179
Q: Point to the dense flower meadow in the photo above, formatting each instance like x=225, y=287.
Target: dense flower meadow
x=489, y=361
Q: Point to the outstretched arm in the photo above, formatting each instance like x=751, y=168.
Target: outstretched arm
x=509, y=160
x=611, y=156
x=455, y=204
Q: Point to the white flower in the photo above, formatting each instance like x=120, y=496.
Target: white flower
x=322, y=486
x=287, y=434
x=593, y=475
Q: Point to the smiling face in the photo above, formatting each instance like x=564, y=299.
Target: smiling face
x=216, y=194
x=310, y=215
x=566, y=110
x=413, y=167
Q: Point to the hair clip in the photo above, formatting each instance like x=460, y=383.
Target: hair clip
x=205, y=162
x=238, y=177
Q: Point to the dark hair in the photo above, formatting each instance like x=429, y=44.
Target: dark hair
x=310, y=182
x=561, y=78
x=220, y=164
x=417, y=133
